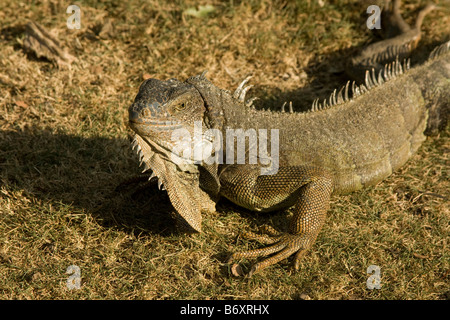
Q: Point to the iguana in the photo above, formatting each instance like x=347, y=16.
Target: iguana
x=354, y=139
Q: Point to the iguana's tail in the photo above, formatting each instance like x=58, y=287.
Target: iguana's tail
x=401, y=40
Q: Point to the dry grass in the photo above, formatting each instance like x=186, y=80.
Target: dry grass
x=64, y=147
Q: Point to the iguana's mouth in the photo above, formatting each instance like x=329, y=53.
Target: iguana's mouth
x=146, y=122
x=153, y=127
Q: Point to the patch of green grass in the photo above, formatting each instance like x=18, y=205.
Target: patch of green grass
x=64, y=147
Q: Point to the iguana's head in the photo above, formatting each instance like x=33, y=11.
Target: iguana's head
x=159, y=109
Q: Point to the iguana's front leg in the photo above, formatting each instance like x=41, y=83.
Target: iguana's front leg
x=307, y=189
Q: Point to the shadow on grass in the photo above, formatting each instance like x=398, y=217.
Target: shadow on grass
x=83, y=173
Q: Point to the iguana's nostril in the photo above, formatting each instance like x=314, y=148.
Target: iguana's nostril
x=133, y=115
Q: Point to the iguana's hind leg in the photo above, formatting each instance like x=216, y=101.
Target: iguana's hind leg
x=308, y=189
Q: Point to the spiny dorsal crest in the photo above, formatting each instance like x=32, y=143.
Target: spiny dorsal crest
x=439, y=51
x=241, y=91
x=388, y=72
x=371, y=80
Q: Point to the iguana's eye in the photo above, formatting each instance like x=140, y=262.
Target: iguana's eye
x=181, y=106
x=145, y=113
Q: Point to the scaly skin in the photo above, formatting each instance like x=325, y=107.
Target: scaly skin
x=356, y=139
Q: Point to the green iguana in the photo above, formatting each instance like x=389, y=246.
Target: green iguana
x=354, y=139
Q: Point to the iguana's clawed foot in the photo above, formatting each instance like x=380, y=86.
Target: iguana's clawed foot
x=283, y=246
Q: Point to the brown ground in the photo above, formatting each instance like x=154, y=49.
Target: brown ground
x=64, y=147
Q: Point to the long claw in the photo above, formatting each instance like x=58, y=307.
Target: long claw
x=256, y=252
x=286, y=245
x=283, y=254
